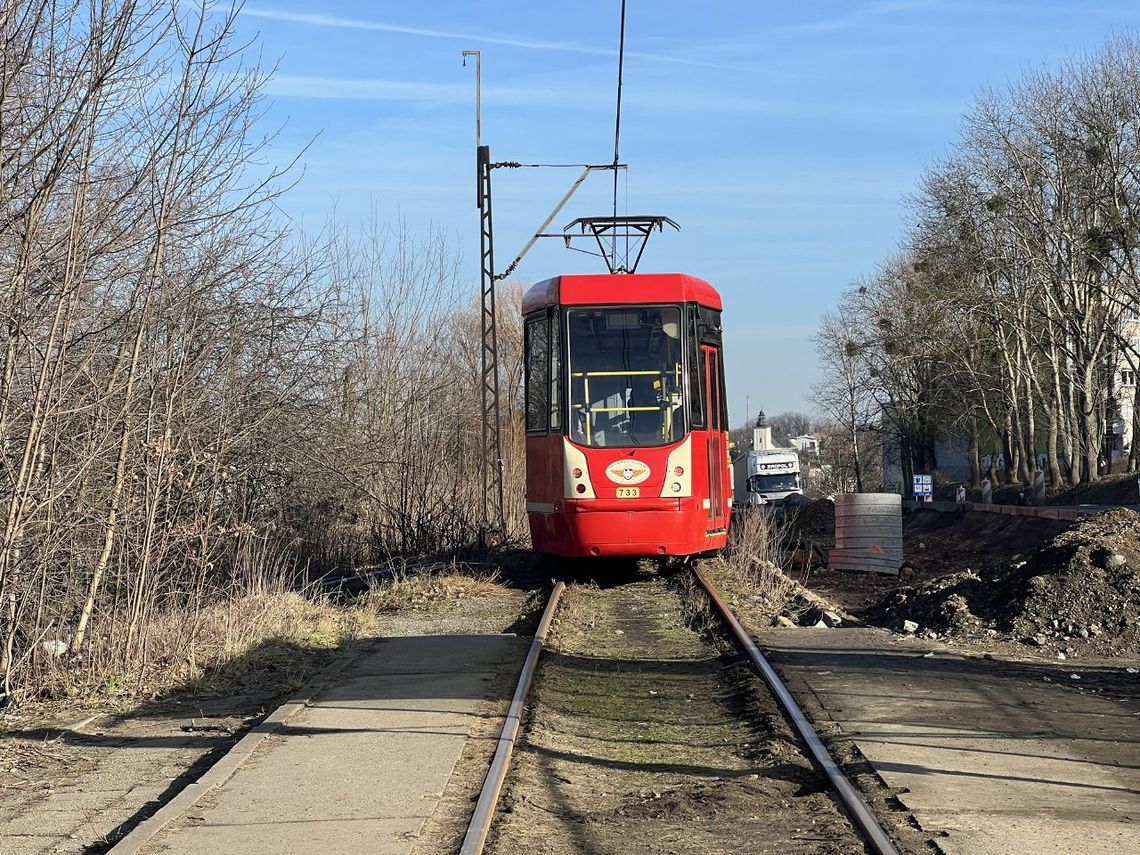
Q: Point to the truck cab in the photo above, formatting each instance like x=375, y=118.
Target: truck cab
x=768, y=474
x=772, y=476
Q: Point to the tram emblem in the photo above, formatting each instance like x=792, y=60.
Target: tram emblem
x=627, y=471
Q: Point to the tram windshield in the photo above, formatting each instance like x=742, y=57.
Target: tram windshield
x=626, y=376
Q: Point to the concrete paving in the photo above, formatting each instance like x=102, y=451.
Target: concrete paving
x=990, y=757
x=363, y=765
x=104, y=770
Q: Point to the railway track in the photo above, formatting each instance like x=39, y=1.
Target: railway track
x=644, y=736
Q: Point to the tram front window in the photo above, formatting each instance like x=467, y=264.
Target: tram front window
x=626, y=377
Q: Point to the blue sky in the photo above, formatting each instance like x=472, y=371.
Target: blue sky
x=781, y=137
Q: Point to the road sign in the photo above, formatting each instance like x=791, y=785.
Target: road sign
x=924, y=485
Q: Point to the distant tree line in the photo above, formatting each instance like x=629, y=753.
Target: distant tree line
x=1009, y=310
x=193, y=395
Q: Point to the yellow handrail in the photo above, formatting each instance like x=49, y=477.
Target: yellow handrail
x=620, y=409
x=586, y=392
x=615, y=373
x=666, y=406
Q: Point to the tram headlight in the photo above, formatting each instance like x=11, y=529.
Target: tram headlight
x=678, y=480
x=575, y=474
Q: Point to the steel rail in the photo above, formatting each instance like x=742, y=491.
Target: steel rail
x=480, y=825
x=856, y=807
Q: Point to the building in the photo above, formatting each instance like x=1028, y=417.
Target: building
x=807, y=443
x=1124, y=385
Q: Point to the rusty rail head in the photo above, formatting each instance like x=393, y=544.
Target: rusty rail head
x=853, y=803
x=480, y=825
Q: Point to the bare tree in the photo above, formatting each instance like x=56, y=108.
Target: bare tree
x=790, y=424
x=1023, y=255
x=846, y=392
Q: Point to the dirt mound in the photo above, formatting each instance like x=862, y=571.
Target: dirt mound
x=1078, y=592
x=938, y=542
x=813, y=522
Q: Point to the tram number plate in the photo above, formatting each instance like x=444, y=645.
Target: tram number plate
x=628, y=492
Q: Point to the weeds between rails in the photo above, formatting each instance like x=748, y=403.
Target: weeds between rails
x=642, y=733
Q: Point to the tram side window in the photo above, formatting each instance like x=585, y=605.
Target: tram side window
x=555, y=373
x=717, y=390
x=720, y=394
x=696, y=374
x=537, y=379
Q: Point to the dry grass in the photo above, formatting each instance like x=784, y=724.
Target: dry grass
x=748, y=575
x=754, y=574
x=228, y=646
x=430, y=589
x=752, y=563
x=268, y=639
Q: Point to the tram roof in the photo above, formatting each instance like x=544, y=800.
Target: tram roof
x=620, y=289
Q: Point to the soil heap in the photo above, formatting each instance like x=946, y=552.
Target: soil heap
x=1078, y=592
x=813, y=523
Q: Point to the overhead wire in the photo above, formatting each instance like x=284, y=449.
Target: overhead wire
x=617, y=126
x=517, y=165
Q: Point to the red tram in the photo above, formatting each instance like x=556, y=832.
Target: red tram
x=627, y=427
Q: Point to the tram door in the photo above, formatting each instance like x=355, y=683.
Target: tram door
x=716, y=449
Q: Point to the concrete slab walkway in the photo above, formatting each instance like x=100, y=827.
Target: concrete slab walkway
x=361, y=767
x=990, y=757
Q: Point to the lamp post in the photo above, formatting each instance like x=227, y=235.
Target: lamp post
x=478, y=93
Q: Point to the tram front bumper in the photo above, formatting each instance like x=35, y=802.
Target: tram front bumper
x=616, y=527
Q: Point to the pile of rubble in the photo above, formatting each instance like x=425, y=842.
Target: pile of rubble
x=1080, y=592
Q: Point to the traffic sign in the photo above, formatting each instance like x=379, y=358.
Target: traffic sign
x=924, y=485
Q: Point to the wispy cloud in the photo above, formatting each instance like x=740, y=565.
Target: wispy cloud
x=303, y=86
x=371, y=89
x=324, y=88
x=319, y=20
x=858, y=17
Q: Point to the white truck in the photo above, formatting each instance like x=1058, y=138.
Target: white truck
x=772, y=476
